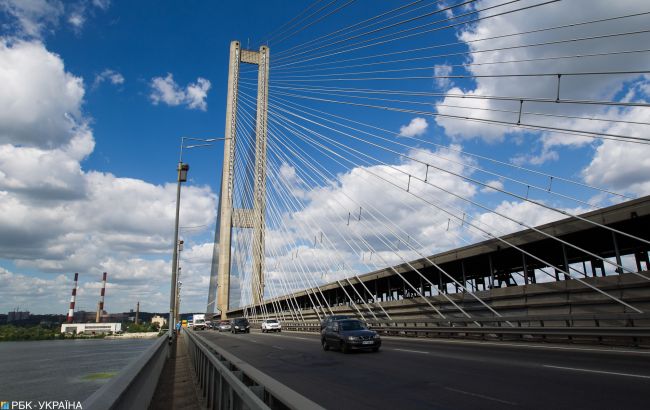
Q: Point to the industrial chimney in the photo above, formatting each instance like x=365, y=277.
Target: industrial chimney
x=100, y=307
x=137, y=312
x=72, y=299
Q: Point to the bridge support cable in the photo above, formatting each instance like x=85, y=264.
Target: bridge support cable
x=248, y=121
x=411, y=148
x=470, y=201
x=363, y=45
x=385, y=241
x=302, y=271
x=516, y=167
x=327, y=238
x=381, y=57
x=359, y=26
x=500, y=239
x=442, y=9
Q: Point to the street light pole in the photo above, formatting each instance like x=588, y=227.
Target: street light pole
x=182, y=177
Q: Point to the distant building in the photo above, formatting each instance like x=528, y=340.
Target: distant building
x=16, y=316
x=91, y=328
x=161, y=321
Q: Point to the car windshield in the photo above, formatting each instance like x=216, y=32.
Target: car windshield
x=271, y=321
x=351, y=325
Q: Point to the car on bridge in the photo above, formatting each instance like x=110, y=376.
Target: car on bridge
x=348, y=335
x=271, y=325
x=329, y=319
x=223, y=326
x=240, y=325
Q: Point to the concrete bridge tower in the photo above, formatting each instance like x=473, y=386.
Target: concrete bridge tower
x=229, y=217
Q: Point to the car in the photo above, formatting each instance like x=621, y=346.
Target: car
x=329, y=319
x=271, y=325
x=224, y=325
x=240, y=325
x=349, y=334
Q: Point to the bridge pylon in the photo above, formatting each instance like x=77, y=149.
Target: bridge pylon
x=228, y=216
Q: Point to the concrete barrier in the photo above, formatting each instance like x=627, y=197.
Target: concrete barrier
x=133, y=387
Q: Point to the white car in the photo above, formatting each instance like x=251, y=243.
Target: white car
x=271, y=325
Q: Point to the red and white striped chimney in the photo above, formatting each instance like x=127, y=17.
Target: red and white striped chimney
x=72, y=299
x=100, y=309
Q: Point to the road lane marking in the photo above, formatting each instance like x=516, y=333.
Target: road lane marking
x=640, y=376
x=519, y=345
x=410, y=351
x=278, y=347
x=482, y=396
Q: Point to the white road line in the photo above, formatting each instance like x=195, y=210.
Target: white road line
x=640, y=376
x=410, y=351
x=278, y=347
x=482, y=396
x=522, y=346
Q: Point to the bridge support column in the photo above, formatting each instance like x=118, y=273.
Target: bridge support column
x=229, y=217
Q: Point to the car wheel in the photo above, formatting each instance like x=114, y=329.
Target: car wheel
x=344, y=348
x=263, y=331
x=375, y=349
x=326, y=347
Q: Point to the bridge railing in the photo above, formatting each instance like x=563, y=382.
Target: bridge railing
x=634, y=327
x=134, y=387
x=227, y=382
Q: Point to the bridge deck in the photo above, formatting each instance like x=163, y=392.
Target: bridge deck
x=176, y=388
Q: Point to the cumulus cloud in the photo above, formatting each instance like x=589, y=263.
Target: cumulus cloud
x=416, y=127
x=56, y=217
x=112, y=76
x=166, y=90
x=41, y=101
x=577, y=87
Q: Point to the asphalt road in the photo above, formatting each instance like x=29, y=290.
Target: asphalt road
x=430, y=374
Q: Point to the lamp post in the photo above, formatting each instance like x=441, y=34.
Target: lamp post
x=182, y=170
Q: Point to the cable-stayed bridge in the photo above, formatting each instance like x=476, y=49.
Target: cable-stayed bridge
x=439, y=169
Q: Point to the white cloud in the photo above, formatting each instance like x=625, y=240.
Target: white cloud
x=416, y=127
x=102, y=4
x=166, y=90
x=56, y=217
x=114, y=77
x=577, y=87
x=41, y=101
x=494, y=184
x=440, y=71
x=77, y=20
x=33, y=17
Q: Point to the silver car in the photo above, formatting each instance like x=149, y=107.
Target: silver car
x=224, y=326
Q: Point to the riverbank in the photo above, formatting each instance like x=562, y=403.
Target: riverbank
x=140, y=335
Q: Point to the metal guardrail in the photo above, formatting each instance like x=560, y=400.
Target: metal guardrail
x=227, y=382
x=585, y=325
x=134, y=387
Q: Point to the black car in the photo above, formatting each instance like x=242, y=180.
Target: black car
x=240, y=325
x=330, y=319
x=349, y=334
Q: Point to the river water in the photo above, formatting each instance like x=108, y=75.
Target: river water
x=62, y=369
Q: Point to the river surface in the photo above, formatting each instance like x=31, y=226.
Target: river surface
x=62, y=369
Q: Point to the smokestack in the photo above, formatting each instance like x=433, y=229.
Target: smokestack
x=137, y=312
x=73, y=299
x=100, y=308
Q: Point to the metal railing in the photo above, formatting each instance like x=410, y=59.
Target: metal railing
x=227, y=382
x=623, y=325
x=134, y=387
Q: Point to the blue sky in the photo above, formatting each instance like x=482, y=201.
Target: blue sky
x=101, y=92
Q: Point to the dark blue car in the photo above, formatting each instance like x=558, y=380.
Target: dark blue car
x=349, y=334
